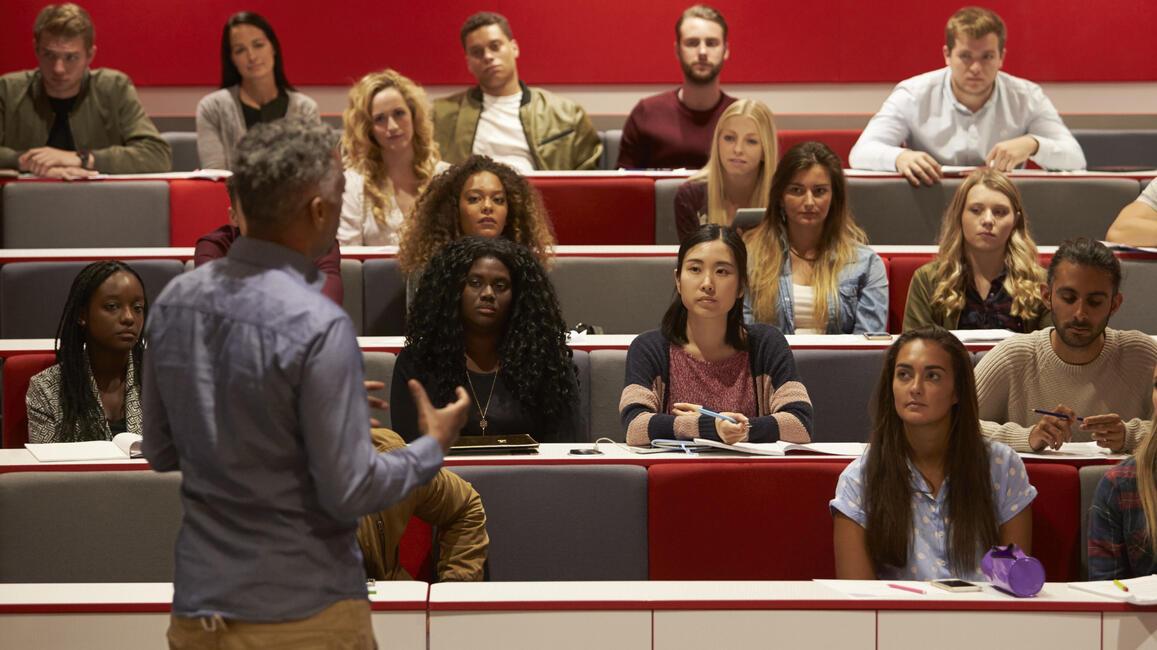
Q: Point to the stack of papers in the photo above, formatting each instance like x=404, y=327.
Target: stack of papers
x=1142, y=591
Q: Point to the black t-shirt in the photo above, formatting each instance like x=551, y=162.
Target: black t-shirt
x=60, y=136
x=274, y=110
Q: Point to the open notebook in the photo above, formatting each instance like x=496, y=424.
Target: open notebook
x=1142, y=591
x=122, y=447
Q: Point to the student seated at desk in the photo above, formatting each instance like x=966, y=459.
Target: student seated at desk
x=94, y=390
x=930, y=495
x=1123, y=517
x=987, y=275
x=486, y=312
x=738, y=173
x=705, y=356
x=481, y=198
x=448, y=503
x=812, y=271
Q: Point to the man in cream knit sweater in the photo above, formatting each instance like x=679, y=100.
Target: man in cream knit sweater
x=1079, y=369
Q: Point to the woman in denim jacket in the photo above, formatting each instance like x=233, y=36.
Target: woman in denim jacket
x=811, y=270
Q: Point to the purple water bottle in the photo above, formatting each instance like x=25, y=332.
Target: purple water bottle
x=1013, y=572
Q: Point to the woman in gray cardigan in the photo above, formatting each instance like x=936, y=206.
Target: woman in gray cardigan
x=253, y=90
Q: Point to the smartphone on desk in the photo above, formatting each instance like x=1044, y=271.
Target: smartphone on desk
x=952, y=584
x=878, y=336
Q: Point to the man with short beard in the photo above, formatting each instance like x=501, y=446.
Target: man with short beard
x=1096, y=380
x=674, y=129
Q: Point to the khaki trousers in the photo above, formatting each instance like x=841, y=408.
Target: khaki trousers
x=345, y=625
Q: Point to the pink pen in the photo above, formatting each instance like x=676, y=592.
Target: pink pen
x=903, y=588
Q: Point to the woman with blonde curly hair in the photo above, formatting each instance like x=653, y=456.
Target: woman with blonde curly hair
x=738, y=175
x=987, y=275
x=811, y=269
x=390, y=157
x=479, y=197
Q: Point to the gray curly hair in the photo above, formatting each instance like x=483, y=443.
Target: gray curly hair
x=280, y=165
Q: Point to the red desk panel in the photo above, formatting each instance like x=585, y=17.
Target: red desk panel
x=600, y=210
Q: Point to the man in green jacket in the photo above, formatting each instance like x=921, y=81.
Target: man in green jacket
x=526, y=128
x=65, y=121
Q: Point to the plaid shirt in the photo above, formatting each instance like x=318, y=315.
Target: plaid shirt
x=994, y=311
x=1118, y=547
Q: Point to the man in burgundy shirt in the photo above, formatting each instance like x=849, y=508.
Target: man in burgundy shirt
x=674, y=129
x=215, y=244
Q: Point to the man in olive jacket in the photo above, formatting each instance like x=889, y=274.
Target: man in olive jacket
x=66, y=121
x=526, y=128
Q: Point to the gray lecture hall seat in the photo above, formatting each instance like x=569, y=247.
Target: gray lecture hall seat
x=1117, y=148
x=1138, y=310
x=32, y=294
x=893, y=212
x=352, y=292
x=611, y=139
x=1073, y=207
x=104, y=214
x=665, y=231
x=1089, y=475
x=621, y=295
x=184, y=145
x=88, y=526
x=384, y=298
x=559, y=522
x=380, y=367
x=608, y=371
x=840, y=385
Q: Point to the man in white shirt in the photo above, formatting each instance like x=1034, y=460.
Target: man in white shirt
x=526, y=128
x=968, y=113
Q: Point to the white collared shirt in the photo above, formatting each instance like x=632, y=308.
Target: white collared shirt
x=924, y=113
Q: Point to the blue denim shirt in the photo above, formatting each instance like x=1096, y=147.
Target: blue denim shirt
x=863, y=297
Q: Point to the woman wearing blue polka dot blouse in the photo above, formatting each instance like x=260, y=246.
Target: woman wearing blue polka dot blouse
x=930, y=495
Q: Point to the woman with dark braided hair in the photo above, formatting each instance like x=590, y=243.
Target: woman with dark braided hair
x=486, y=317
x=479, y=197
x=94, y=390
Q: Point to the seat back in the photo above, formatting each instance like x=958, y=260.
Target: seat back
x=585, y=210
x=900, y=272
x=893, y=212
x=611, y=139
x=353, y=293
x=622, y=295
x=88, y=526
x=17, y=374
x=1074, y=207
x=840, y=141
x=380, y=367
x=32, y=294
x=1137, y=311
x=840, y=385
x=383, y=298
x=703, y=519
x=1056, y=526
x=1116, y=148
x=184, y=146
x=86, y=215
x=1089, y=476
x=608, y=372
x=665, y=230
x=559, y=522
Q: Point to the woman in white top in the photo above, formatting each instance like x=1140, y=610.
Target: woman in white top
x=390, y=157
x=253, y=90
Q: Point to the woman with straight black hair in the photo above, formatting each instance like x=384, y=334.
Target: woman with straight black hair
x=705, y=357
x=94, y=390
x=254, y=89
x=930, y=495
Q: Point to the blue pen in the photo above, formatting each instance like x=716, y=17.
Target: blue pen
x=1055, y=415
x=718, y=415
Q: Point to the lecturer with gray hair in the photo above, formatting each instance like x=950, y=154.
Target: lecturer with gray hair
x=253, y=390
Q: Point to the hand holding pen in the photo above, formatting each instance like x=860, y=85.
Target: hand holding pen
x=1054, y=428
x=1107, y=430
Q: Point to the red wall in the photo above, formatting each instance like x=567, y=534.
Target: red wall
x=605, y=41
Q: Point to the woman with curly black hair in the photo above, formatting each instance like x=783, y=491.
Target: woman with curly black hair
x=94, y=390
x=486, y=317
x=479, y=197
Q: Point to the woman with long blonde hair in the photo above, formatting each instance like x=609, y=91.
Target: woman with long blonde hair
x=811, y=269
x=1123, y=518
x=390, y=157
x=738, y=174
x=987, y=275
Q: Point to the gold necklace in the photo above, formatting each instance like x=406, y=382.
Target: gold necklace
x=482, y=411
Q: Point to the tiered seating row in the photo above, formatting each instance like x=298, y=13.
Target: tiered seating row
x=605, y=208
x=624, y=290
x=582, y=521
